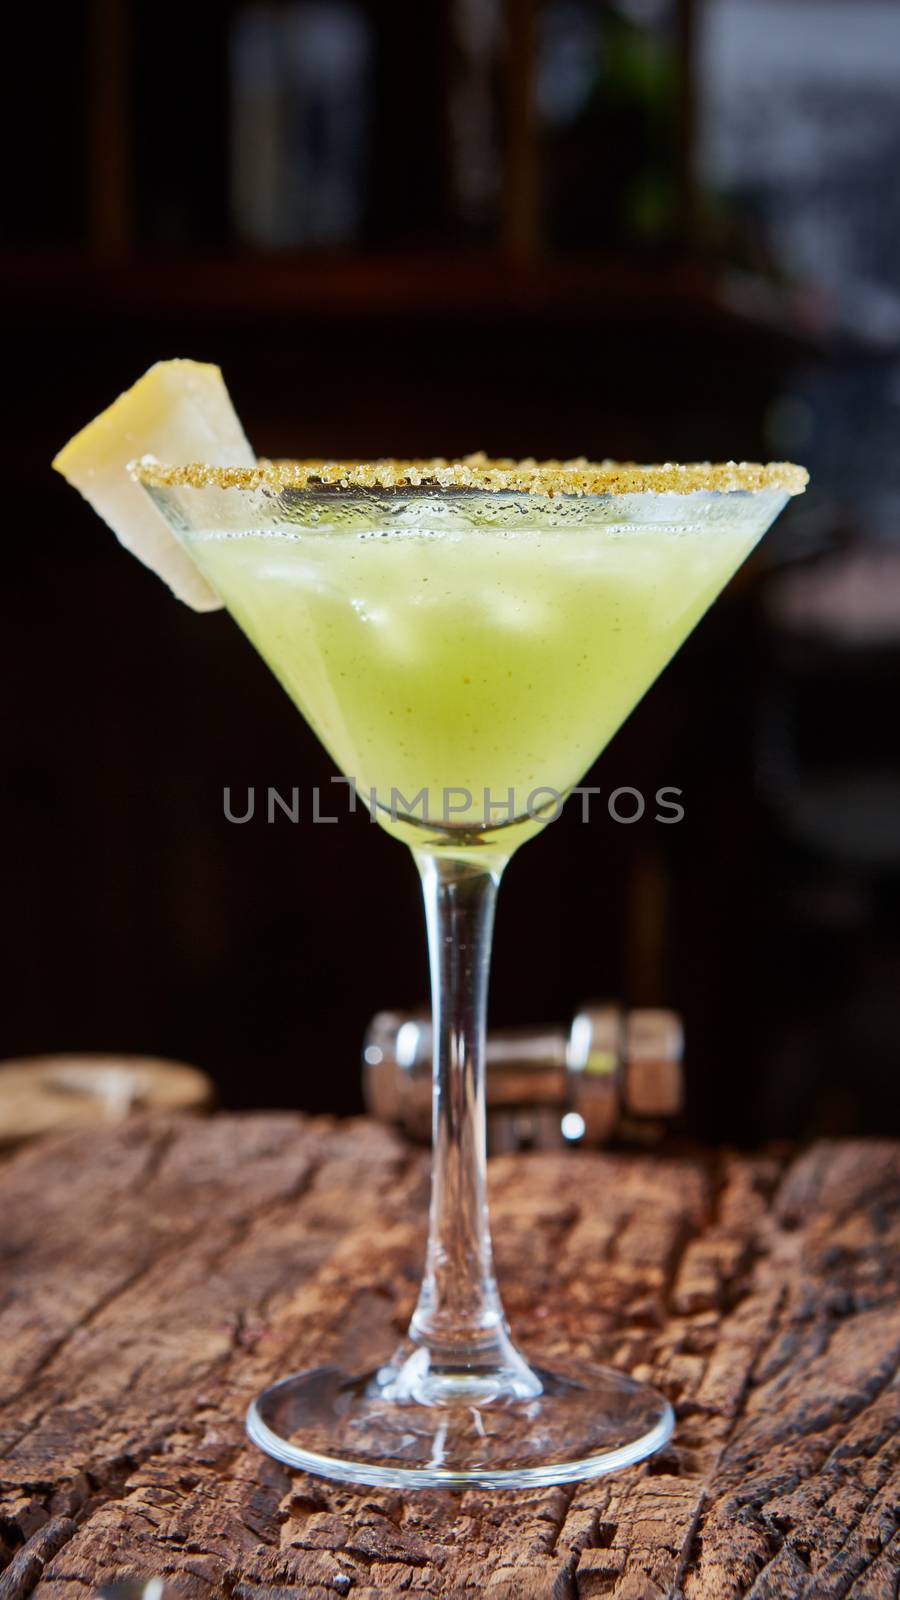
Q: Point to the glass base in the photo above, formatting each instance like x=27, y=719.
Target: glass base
x=584, y=1421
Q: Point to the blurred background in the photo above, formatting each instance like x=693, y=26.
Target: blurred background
x=648, y=229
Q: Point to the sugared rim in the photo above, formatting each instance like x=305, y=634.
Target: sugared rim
x=478, y=472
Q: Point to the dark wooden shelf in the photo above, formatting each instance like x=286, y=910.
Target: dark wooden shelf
x=254, y=288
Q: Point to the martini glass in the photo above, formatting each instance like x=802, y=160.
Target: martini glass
x=464, y=638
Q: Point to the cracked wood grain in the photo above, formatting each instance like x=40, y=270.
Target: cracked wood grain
x=155, y=1276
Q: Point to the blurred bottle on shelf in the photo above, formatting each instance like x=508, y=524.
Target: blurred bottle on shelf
x=473, y=116
x=609, y=85
x=301, y=103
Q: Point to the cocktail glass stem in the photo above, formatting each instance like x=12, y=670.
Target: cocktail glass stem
x=462, y=1346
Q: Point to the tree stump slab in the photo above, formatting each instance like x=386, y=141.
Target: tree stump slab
x=156, y=1275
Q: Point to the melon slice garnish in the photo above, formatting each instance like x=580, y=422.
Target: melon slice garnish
x=178, y=412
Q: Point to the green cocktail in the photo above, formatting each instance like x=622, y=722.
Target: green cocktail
x=464, y=662
x=464, y=637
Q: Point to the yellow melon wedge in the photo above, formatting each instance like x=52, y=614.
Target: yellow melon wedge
x=179, y=412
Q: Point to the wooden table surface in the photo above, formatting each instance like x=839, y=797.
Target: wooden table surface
x=155, y=1276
